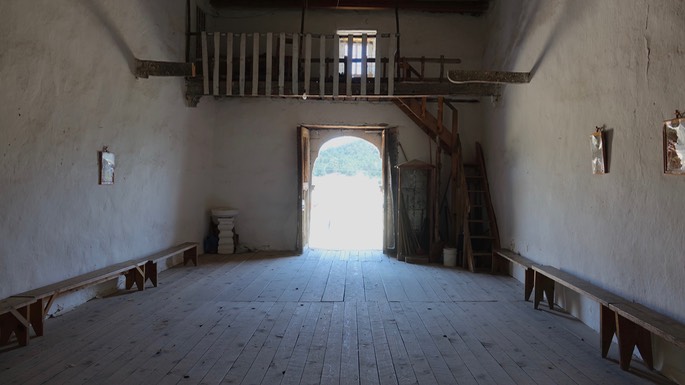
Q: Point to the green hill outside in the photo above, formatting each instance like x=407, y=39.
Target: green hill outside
x=358, y=156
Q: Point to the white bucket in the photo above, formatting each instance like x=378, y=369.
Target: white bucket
x=449, y=257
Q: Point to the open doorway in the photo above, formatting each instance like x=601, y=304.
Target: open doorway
x=352, y=192
x=347, y=196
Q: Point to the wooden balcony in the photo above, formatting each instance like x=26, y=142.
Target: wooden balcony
x=292, y=65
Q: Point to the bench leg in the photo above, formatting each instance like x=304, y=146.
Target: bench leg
x=607, y=328
x=543, y=285
x=151, y=272
x=17, y=322
x=37, y=316
x=631, y=335
x=190, y=255
x=529, y=283
x=136, y=276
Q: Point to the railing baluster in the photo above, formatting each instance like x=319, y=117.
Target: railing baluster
x=281, y=65
x=307, y=62
x=365, y=41
x=377, y=67
x=350, y=43
x=391, y=66
x=269, y=63
x=322, y=65
x=217, y=56
x=229, y=64
x=296, y=59
x=241, y=81
x=336, y=65
x=255, y=64
x=205, y=65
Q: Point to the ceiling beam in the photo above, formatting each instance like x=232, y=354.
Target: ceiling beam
x=444, y=6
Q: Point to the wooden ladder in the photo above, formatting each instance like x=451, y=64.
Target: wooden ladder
x=481, y=235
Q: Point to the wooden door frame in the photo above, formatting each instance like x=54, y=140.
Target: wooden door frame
x=389, y=155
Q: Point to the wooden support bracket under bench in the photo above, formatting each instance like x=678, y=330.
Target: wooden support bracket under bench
x=519, y=260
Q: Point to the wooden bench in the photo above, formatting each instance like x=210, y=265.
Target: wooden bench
x=38, y=301
x=635, y=325
x=632, y=323
x=500, y=254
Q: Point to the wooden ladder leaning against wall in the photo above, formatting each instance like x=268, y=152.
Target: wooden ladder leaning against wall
x=481, y=235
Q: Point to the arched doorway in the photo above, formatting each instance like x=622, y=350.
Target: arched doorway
x=311, y=139
x=347, y=196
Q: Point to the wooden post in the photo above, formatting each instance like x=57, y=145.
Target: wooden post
x=205, y=65
x=217, y=56
x=442, y=68
x=296, y=60
x=307, y=62
x=455, y=174
x=229, y=64
x=269, y=63
x=336, y=65
x=441, y=101
x=423, y=68
x=322, y=65
x=281, y=65
x=255, y=64
x=364, y=62
x=350, y=43
x=496, y=77
x=241, y=80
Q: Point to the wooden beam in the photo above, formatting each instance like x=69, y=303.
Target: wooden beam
x=465, y=76
x=146, y=68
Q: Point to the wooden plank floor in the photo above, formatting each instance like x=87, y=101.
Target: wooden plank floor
x=325, y=317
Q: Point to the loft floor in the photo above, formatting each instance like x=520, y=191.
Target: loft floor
x=328, y=317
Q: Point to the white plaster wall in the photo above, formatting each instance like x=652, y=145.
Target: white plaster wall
x=67, y=91
x=607, y=62
x=255, y=142
x=256, y=157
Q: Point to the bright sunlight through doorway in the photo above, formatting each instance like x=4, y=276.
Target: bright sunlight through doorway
x=347, y=196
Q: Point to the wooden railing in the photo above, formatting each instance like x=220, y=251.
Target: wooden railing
x=290, y=64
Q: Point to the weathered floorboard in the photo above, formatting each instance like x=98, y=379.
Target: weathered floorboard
x=352, y=317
